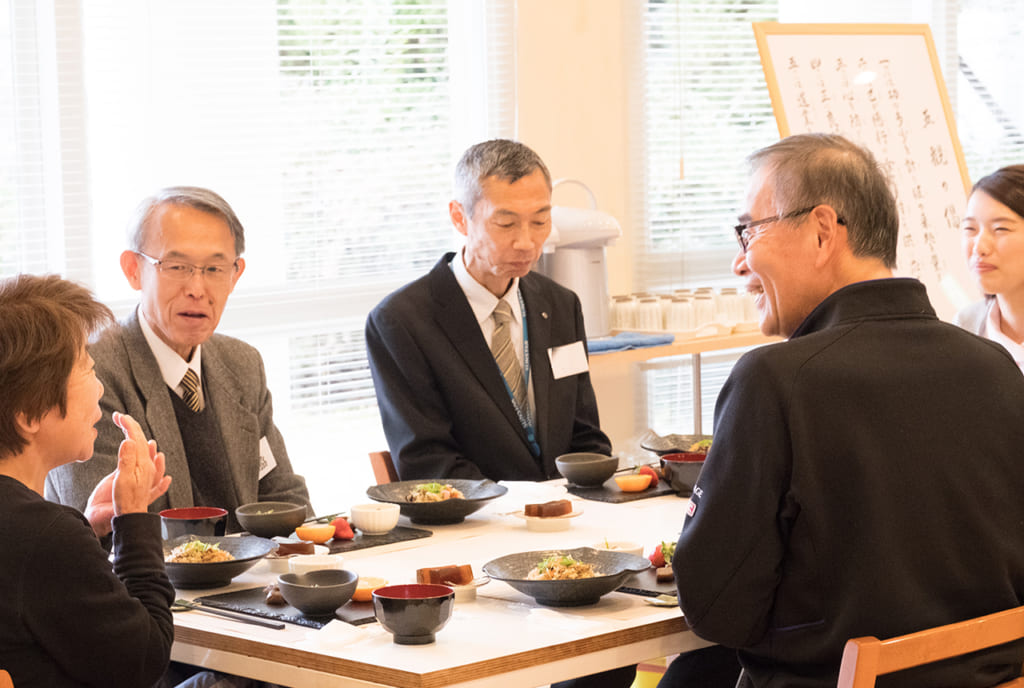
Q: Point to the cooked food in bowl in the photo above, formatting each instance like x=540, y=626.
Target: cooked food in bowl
x=561, y=567
x=475, y=495
x=433, y=492
x=198, y=552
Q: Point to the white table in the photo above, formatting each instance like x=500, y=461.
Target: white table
x=503, y=638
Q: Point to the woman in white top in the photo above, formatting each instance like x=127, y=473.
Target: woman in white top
x=993, y=242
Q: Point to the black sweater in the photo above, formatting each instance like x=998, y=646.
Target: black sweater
x=866, y=478
x=66, y=617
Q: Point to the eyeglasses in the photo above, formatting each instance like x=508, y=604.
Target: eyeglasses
x=743, y=231
x=182, y=272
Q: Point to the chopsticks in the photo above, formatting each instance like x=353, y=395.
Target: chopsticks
x=323, y=519
x=235, y=616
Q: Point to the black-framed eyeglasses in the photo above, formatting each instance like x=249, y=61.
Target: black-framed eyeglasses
x=182, y=272
x=743, y=230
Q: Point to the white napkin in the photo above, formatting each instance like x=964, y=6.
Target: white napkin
x=336, y=635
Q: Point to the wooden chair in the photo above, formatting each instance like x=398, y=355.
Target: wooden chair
x=5, y=680
x=383, y=468
x=866, y=658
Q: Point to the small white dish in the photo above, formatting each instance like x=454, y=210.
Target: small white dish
x=467, y=593
x=304, y=563
x=376, y=518
x=620, y=546
x=280, y=564
x=548, y=524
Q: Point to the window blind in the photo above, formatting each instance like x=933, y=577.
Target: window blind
x=705, y=106
x=331, y=127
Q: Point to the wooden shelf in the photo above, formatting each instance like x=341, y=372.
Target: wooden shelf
x=681, y=347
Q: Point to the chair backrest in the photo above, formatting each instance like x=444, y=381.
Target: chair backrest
x=866, y=658
x=5, y=680
x=383, y=468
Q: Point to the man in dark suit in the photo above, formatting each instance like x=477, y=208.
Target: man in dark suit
x=217, y=428
x=465, y=392
x=447, y=407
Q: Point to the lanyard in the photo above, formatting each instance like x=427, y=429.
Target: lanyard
x=523, y=414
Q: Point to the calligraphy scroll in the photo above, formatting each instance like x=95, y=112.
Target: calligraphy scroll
x=880, y=85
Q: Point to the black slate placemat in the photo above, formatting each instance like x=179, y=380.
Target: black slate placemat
x=646, y=583
x=610, y=492
x=253, y=601
x=361, y=541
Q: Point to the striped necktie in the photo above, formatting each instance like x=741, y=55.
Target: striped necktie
x=190, y=383
x=505, y=355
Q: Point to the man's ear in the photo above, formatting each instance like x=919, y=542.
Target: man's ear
x=831, y=235
x=458, y=216
x=131, y=268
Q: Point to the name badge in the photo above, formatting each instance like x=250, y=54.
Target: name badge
x=267, y=460
x=567, y=360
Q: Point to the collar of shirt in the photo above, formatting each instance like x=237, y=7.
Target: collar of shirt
x=172, y=366
x=483, y=302
x=993, y=329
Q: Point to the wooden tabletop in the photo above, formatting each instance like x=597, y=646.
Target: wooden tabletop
x=503, y=638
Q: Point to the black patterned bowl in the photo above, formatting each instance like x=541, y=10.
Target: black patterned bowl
x=246, y=550
x=612, y=569
x=476, y=493
x=413, y=613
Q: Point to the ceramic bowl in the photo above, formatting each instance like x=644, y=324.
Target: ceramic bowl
x=669, y=444
x=612, y=569
x=377, y=518
x=413, y=613
x=305, y=563
x=246, y=550
x=270, y=519
x=193, y=520
x=586, y=469
x=476, y=493
x=681, y=470
x=318, y=593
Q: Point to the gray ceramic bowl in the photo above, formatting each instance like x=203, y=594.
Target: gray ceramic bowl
x=246, y=550
x=476, y=493
x=586, y=469
x=413, y=613
x=318, y=593
x=270, y=519
x=681, y=470
x=613, y=568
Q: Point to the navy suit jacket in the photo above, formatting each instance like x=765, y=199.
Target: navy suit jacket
x=444, y=405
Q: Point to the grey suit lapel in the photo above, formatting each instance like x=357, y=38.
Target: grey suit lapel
x=160, y=418
x=239, y=430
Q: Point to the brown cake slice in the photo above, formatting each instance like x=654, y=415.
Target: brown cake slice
x=559, y=507
x=445, y=575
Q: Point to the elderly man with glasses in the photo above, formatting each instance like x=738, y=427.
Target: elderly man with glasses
x=865, y=476
x=202, y=396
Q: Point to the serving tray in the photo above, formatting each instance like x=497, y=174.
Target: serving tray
x=362, y=541
x=252, y=601
x=610, y=492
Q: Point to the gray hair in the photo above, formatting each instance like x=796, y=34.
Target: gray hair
x=193, y=197
x=507, y=160
x=813, y=169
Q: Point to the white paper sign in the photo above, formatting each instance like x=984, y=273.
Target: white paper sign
x=567, y=360
x=267, y=460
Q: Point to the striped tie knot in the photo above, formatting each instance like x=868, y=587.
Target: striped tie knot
x=190, y=383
